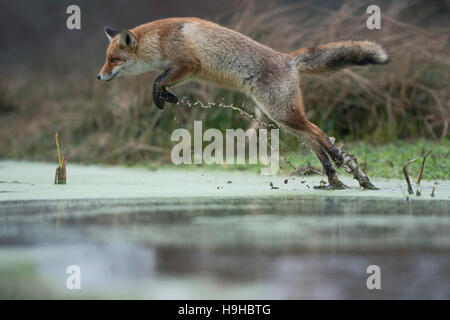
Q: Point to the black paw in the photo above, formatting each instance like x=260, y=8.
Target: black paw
x=333, y=184
x=161, y=95
x=158, y=99
x=367, y=185
x=169, y=96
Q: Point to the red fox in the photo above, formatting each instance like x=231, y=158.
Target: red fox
x=192, y=48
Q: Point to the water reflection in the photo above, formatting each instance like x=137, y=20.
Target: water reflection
x=283, y=247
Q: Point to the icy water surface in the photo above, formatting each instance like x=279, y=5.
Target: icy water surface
x=231, y=248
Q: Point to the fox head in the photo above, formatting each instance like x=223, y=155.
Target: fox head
x=121, y=56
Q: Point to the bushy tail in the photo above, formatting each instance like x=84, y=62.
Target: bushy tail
x=336, y=55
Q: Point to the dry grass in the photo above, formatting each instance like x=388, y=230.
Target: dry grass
x=117, y=122
x=406, y=99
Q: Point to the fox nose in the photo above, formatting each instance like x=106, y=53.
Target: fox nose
x=98, y=77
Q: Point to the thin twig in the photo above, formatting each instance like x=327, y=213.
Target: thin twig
x=406, y=173
x=419, y=177
x=59, y=153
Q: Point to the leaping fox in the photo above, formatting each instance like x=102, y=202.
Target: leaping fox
x=191, y=48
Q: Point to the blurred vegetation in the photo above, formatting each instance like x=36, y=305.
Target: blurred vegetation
x=117, y=122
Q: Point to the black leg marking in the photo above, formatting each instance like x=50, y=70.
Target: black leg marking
x=334, y=153
x=169, y=96
x=343, y=159
x=333, y=180
x=160, y=94
x=158, y=99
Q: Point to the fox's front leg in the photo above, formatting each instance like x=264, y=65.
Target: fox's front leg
x=168, y=78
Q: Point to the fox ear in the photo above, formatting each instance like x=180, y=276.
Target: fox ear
x=111, y=33
x=127, y=39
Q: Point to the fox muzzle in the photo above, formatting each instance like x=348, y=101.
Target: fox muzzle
x=108, y=76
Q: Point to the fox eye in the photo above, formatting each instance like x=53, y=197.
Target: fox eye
x=113, y=59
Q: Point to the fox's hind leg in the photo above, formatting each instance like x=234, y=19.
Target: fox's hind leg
x=318, y=135
x=291, y=116
x=341, y=158
x=330, y=171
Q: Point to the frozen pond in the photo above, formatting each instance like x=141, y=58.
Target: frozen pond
x=289, y=244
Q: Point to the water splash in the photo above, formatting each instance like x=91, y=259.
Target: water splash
x=185, y=101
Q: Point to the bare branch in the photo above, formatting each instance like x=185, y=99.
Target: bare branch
x=406, y=173
x=419, y=177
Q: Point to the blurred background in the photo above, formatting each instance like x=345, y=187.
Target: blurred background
x=48, y=76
